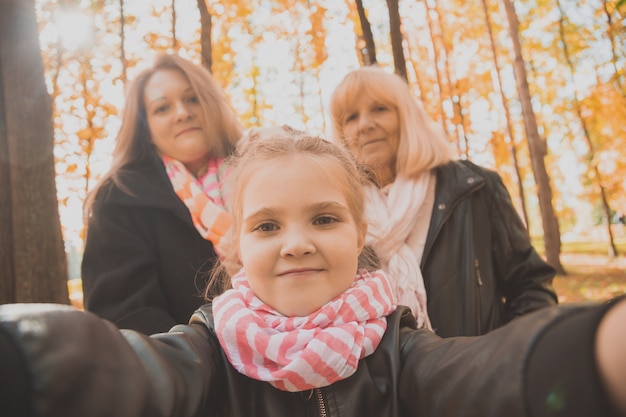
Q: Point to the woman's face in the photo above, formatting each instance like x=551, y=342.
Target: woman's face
x=175, y=119
x=298, y=240
x=372, y=133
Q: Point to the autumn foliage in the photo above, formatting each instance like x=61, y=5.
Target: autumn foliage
x=280, y=59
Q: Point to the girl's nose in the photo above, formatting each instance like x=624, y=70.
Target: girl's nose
x=296, y=243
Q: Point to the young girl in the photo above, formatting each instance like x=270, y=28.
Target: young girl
x=305, y=332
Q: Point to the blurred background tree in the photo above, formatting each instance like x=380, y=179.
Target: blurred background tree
x=33, y=267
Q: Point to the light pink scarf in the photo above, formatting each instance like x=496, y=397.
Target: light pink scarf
x=391, y=219
x=202, y=196
x=301, y=353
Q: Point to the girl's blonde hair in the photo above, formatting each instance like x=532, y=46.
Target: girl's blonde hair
x=133, y=143
x=266, y=151
x=422, y=143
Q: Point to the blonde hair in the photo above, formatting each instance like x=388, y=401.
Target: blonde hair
x=259, y=153
x=133, y=143
x=422, y=144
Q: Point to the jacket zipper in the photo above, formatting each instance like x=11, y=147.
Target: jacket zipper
x=321, y=405
x=479, y=281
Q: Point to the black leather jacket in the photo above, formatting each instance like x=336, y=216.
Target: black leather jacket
x=144, y=265
x=480, y=269
x=57, y=361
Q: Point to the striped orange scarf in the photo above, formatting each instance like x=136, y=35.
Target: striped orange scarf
x=202, y=196
x=301, y=353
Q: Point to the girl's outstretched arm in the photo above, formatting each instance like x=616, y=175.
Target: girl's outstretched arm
x=58, y=361
x=559, y=361
x=611, y=354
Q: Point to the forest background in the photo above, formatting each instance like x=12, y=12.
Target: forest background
x=535, y=89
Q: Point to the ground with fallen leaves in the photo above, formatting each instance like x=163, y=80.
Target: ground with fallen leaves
x=591, y=277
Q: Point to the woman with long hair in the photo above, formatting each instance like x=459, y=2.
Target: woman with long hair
x=155, y=219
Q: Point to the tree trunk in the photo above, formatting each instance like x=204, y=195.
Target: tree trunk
x=33, y=266
x=436, y=66
x=205, y=35
x=507, y=116
x=417, y=73
x=610, y=31
x=457, y=121
x=583, y=123
x=368, y=55
x=174, y=37
x=123, y=59
x=399, y=62
x=551, y=234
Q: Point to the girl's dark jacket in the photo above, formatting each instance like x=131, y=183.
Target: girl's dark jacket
x=57, y=361
x=144, y=265
x=480, y=269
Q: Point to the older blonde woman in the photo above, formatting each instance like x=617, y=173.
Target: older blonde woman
x=445, y=229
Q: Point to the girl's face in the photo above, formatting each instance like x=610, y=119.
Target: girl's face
x=372, y=132
x=298, y=240
x=175, y=119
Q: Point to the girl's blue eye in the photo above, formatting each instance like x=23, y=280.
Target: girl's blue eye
x=325, y=220
x=193, y=99
x=266, y=227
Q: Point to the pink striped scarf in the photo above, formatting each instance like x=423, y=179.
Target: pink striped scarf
x=301, y=353
x=202, y=196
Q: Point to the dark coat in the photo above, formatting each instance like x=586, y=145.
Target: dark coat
x=480, y=269
x=57, y=361
x=145, y=264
